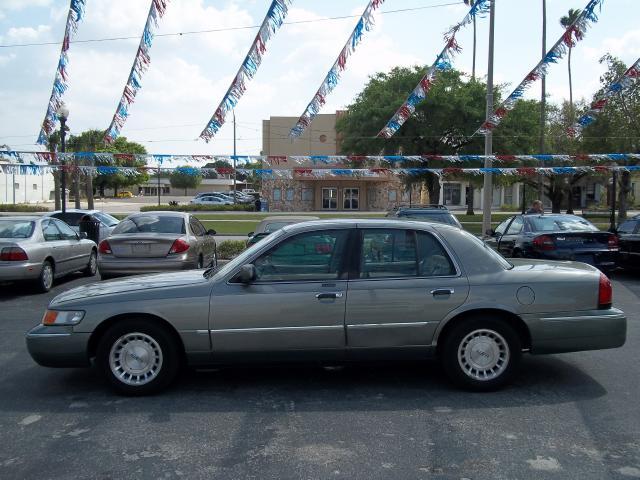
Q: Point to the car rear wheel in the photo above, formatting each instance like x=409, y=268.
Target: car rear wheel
x=92, y=266
x=200, y=262
x=138, y=357
x=45, y=280
x=481, y=353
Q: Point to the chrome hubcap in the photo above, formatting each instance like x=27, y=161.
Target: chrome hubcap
x=93, y=263
x=483, y=354
x=47, y=276
x=135, y=359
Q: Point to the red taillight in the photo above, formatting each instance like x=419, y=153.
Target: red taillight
x=605, y=292
x=612, y=242
x=179, y=246
x=104, y=248
x=13, y=254
x=544, y=242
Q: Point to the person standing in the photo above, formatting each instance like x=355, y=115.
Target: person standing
x=536, y=208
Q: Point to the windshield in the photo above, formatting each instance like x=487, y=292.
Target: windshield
x=16, y=228
x=107, y=219
x=562, y=223
x=150, y=224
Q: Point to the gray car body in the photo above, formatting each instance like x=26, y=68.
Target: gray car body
x=553, y=305
x=124, y=262
x=66, y=255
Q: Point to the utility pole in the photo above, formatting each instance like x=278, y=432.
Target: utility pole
x=488, y=139
x=158, y=184
x=234, y=158
x=63, y=114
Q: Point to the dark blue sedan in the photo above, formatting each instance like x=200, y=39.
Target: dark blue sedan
x=555, y=237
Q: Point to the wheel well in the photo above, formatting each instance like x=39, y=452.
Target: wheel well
x=512, y=319
x=101, y=329
x=52, y=262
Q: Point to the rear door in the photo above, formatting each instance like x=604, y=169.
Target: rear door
x=405, y=284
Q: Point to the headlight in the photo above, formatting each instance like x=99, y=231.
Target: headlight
x=56, y=317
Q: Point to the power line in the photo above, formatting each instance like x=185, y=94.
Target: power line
x=226, y=29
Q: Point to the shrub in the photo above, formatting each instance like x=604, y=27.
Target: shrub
x=22, y=207
x=228, y=249
x=199, y=208
x=509, y=208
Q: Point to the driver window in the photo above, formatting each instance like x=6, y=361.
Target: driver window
x=516, y=226
x=500, y=229
x=66, y=231
x=304, y=257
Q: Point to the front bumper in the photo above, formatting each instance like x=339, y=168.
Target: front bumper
x=12, y=271
x=577, y=331
x=115, y=267
x=58, y=346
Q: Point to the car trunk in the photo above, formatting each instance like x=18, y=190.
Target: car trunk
x=580, y=241
x=142, y=245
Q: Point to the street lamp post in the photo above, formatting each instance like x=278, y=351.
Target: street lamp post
x=488, y=142
x=234, y=158
x=63, y=114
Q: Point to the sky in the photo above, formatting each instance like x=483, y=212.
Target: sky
x=190, y=73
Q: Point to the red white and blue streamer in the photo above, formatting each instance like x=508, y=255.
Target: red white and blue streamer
x=443, y=62
x=60, y=82
x=573, y=34
x=140, y=65
x=623, y=83
x=330, y=82
x=271, y=23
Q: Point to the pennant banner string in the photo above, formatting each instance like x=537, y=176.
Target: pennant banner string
x=443, y=62
x=619, y=86
x=60, y=82
x=573, y=34
x=140, y=65
x=271, y=23
x=331, y=80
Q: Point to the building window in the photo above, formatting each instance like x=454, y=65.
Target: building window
x=277, y=194
x=392, y=195
x=452, y=195
x=307, y=194
x=405, y=196
x=330, y=198
x=35, y=186
x=290, y=192
x=351, y=198
x=16, y=186
x=508, y=195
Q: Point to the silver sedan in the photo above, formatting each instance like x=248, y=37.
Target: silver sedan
x=155, y=242
x=336, y=291
x=42, y=249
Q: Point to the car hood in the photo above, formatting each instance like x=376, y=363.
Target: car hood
x=132, y=284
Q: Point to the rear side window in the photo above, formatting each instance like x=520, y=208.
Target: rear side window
x=196, y=227
x=388, y=253
x=16, y=228
x=151, y=224
x=50, y=231
x=434, y=260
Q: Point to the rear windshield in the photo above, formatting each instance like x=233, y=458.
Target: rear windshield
x=150, y=224
x=445, y=218
x=272, y=227
x=560, y=223
x=16, y=228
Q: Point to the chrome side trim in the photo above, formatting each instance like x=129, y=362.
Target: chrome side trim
x=383, y=325
x=42, y=335
x=202, y=332
x=276, y=329
x=582, y=317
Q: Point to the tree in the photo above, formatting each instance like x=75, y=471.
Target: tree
x=566, y=21
x=185, y=177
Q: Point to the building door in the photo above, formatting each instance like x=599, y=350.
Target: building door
x=351, y=199
x=452, y=194
x=329, y=198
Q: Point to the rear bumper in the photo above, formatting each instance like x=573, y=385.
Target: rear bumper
x=577, y=331
x=113, y=266
x=58, y=346
x=11, y=271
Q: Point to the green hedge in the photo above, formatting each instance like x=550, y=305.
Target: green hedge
x=22, y=207
x=228, y=249
x=199, y=208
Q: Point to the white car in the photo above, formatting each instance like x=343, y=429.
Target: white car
x=210, y=200
x=73, y=216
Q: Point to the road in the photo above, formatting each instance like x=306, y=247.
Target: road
x=567, y=416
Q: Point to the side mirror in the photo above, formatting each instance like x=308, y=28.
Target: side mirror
x=247, y=274
x=211, y=232
x=250, y=234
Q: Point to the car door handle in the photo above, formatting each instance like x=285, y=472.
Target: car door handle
x=442, y=291
x=321, y=296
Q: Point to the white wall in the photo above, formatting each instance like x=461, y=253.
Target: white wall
x=28, y=188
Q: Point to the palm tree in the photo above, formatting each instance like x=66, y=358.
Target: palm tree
x=473, y=68
x=567, y=21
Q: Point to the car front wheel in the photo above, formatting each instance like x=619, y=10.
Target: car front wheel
x=138, y=357
x=481, y=353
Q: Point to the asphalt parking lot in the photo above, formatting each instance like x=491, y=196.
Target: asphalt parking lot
x=567, y=416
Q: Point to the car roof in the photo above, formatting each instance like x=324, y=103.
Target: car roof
x=430, y=211
x=160, y=213
x=30, y=218
x=289, y=217
x=73, y=210
x=368, y=222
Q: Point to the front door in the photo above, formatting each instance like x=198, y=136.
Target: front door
x=296, y=304
x=509, y=240
x=407, y=283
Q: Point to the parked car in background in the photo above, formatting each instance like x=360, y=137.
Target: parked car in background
x=124, y=194
x=211, y=200
x=152, y=242
x=72, y=217
x=249, y=191
x=41, y=249
x=241, y=197
x=555, y=237
x=414, y=290
x=426, y=213
x=272, y=224
x=629, y=243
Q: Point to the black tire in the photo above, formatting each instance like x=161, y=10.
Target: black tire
x=494, y=360
x=105, y=276
x=200, y=263
x=45, y=280
x=92, y=266
x=152, y=356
